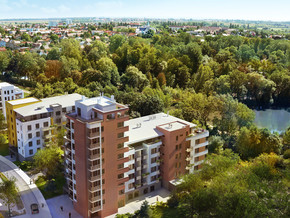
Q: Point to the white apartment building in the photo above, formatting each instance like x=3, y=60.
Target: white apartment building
x=9, y=92
x=36, y=124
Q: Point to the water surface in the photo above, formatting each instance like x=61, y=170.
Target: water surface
x=274, y=120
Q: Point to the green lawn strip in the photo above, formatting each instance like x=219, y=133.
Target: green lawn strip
x=164, y=212
x=51, y=189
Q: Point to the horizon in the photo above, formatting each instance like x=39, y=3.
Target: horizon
x=246, y=10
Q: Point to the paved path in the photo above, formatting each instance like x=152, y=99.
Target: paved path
x=29, y=193
x=62, y=200
x=162, y=195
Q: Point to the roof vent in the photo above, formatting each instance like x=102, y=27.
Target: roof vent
x=170, y=125
x=39, y=108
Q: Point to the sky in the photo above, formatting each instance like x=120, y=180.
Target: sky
x=275, y=10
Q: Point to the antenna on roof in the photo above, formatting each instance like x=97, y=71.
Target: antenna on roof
x=170, y=125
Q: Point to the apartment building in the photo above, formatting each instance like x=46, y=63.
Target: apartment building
x=110, y=160
x=33, y=123
x=9, y=92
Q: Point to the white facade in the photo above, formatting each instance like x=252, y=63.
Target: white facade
x=8, y=92
x=31, y=136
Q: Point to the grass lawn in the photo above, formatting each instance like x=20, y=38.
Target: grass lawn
x=52, y=188
x=164, y=212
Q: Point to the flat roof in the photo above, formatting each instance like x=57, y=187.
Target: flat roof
x=144, y=128
x=43, y=106
x=23, y=101
x=3, y=84
x=102, y=100
x=173, y=126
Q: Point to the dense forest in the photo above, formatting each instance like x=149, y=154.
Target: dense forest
x=212, y=82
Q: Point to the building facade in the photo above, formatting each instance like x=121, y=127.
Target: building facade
x=8, y=92
x=110, y=160
x=34, y=123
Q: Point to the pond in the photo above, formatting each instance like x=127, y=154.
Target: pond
x=274, y=120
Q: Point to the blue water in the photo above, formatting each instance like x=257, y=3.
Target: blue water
x=274, y=120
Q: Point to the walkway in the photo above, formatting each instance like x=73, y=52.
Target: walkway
x=62, y=200
x=29, y=193
x=161, y=194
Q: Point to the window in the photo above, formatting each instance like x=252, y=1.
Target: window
x=102, y=129
x=120, y=155
x=197, y=150
x=38, y=142
x=79, y=111
x=177, y=138
x=121, y=166
x=153, y=169
x=120, y=135
x=121, y=176
x=29, y=127
x=30, y=135
x=121, y=145
x=121, y=124
x=37, y=134
x=176, y=156
x=121, y=192
x=45, y=124
x=57, y=113
x=176, y=147
x=30, y=152
x=30, y=144
x=197, y=141
x=179, y=146
x=131, y=176
x=37, y=126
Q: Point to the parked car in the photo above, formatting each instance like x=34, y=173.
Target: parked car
x=34, y=208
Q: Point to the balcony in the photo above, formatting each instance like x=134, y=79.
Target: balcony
x=69, y=177
x=94, y=178
x=93, y=134
x=94, y=188
x=95, y=209
x=94, y=156
x=94, y=167
x=188, y=158
x=95, y=198
x=93, y=145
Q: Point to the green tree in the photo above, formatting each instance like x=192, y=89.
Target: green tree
x=49, y=160
x=8, y=192
x=109, y=70
x=145, y=210
x=134, y=78
x=252, y=142
x=4, y=61
x=116, y=41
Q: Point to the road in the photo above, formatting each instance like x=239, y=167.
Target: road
x=29, y=193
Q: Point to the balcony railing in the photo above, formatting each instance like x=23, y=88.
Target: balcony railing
x=93, y=145
x=94, y=178
x=94, y=188
x=93, y=134
x=94, y=156
x=94, y=167
x=95, y=209
x=95, y=198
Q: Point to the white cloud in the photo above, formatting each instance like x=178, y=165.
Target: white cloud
x=20, y=3
x=63, y=8
x=48, y=10
x=107, y=4
x=4, y=6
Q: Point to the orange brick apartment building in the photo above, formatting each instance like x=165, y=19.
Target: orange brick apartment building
x=110, y=160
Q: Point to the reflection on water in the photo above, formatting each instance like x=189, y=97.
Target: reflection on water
x=274, y=120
